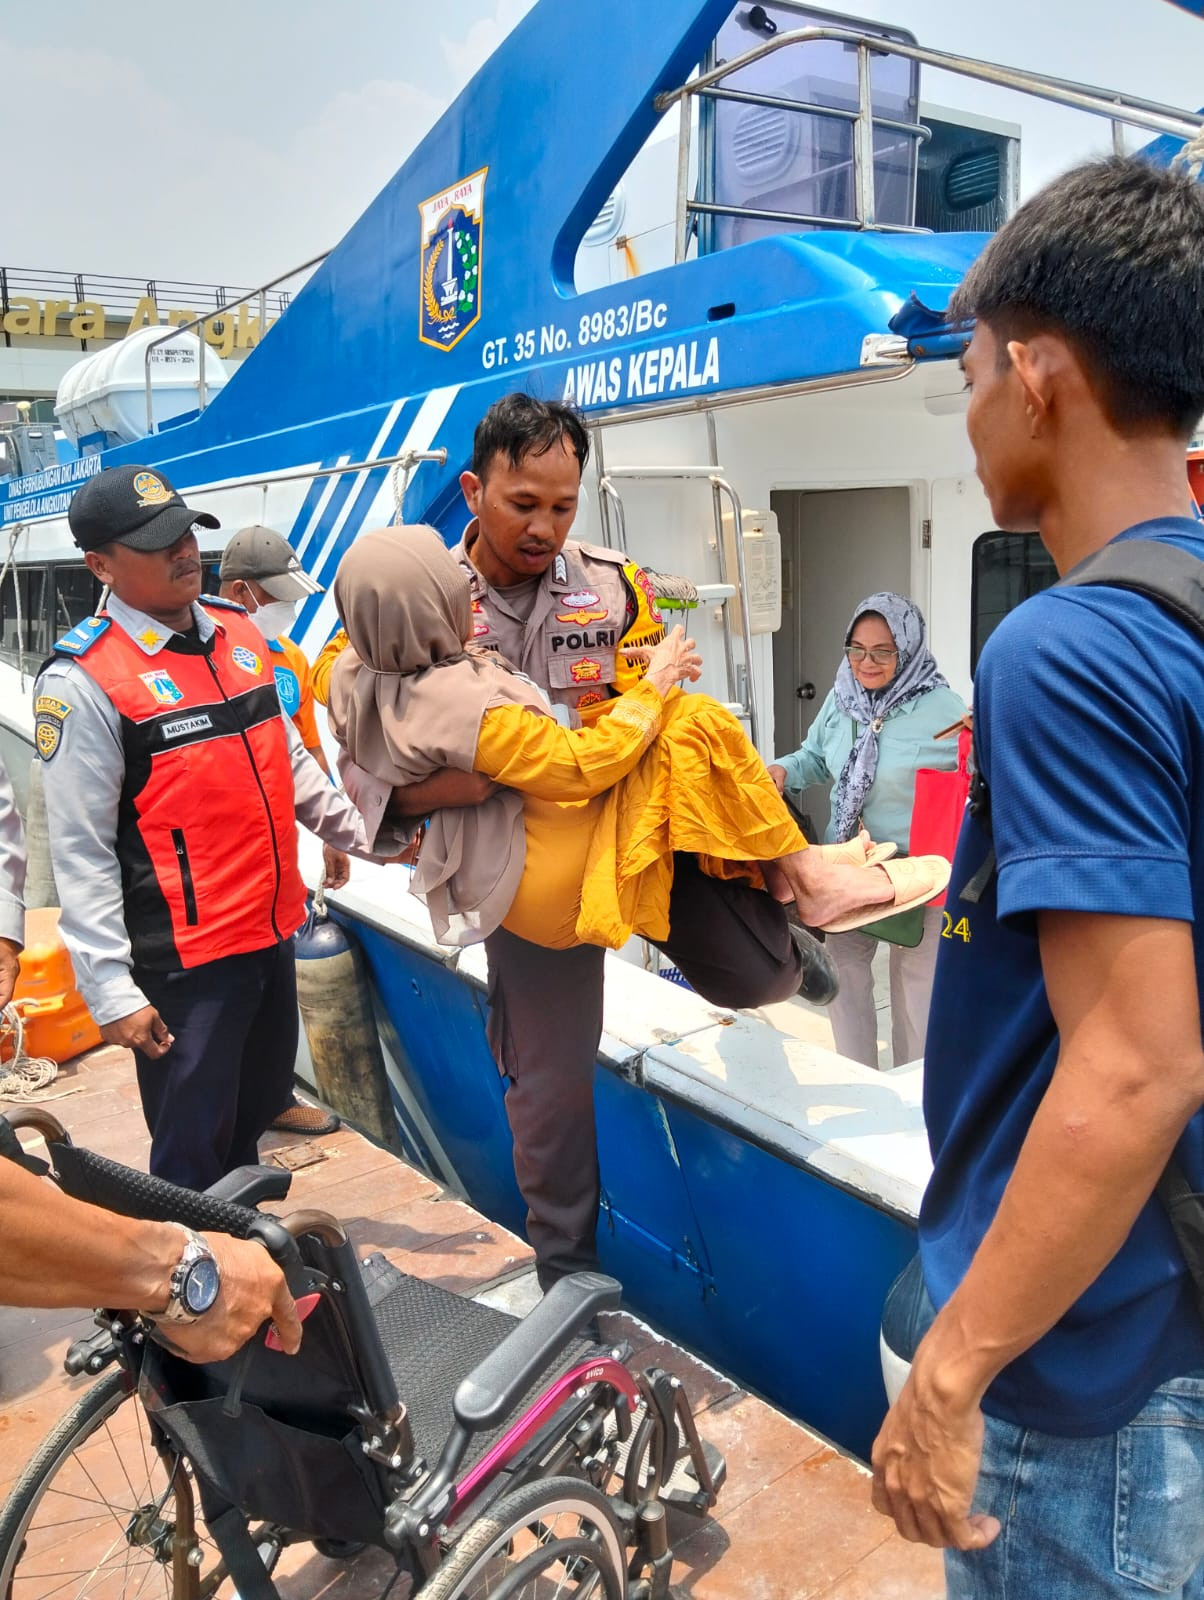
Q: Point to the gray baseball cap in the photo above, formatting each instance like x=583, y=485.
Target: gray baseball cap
x=266, y=557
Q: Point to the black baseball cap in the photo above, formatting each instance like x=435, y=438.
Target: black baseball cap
x=134, y=506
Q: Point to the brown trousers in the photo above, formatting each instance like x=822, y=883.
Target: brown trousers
x=731, y=943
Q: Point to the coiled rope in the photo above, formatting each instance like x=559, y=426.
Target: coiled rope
x=1191, y=158
x=24, y=1077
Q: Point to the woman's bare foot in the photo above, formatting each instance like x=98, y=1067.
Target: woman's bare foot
x=824, y=891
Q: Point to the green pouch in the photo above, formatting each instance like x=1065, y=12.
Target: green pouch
x=905, y=928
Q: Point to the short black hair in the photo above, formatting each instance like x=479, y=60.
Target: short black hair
x=1110, y=256
x=518, y=425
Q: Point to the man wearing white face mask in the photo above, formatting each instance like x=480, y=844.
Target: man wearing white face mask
x=174, y=785
x=260, y=571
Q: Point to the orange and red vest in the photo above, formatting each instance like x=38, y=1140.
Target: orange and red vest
x=206, y=831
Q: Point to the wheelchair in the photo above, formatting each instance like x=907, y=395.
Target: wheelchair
x=479, y=1454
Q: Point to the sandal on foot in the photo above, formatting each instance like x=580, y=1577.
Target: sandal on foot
x=311, y=1121
x=916, y=880
x=853, y=853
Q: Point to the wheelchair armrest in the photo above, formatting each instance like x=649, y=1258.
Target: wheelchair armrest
x=247, y=1186
x=498, y=1383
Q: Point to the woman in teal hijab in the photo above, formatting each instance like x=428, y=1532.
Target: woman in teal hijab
x=872, y=733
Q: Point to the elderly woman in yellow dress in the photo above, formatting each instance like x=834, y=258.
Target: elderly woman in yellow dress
x=577, y=844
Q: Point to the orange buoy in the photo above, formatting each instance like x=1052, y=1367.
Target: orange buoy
x=57, y=1022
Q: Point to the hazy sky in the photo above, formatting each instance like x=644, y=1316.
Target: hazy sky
x=229, y=142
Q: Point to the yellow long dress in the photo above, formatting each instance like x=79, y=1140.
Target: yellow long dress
x=607, y=805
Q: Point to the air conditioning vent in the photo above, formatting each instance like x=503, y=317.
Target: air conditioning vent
x=764, y=143
x=972, y=180
x=609, y=221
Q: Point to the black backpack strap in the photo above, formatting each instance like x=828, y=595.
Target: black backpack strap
x=1185, y=1208
x=1172, y=577
x=1164, y=573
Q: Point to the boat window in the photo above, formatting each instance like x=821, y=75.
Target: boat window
x=76, y=593
x=756, y=154
x=1008, y=569
x=800, y=164
x=30, y=587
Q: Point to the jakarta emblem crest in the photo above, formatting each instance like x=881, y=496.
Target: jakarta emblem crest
x=449, y=298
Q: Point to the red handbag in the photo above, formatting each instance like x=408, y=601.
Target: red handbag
x=940, y=804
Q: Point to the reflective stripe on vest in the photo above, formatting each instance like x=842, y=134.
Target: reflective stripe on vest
x=206, y=832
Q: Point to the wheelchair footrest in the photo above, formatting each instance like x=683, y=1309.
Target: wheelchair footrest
x=683, y=1489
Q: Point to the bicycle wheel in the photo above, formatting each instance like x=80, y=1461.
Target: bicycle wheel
x=554, y=1538
x=99, y=1514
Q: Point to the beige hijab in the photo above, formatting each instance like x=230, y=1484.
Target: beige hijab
x=407, y=698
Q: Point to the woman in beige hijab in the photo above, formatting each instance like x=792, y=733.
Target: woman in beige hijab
x=576, y=846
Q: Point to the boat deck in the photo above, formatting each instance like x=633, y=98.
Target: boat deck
x=793, y=1521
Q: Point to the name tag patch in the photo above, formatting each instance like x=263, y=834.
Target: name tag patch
x=186, y=725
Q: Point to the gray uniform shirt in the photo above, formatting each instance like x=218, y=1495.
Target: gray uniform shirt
x=83, y=777
x=12, y=866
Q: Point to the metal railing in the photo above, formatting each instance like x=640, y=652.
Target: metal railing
x=118, y=295
x=1120, y=110
x=201, y=322
x=742, y=697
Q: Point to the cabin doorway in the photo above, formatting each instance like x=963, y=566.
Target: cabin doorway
x=837, y=546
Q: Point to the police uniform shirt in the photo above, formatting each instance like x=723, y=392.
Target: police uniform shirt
x=78, y=734
x=517, y=602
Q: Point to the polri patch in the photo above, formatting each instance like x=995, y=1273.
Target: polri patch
x=247, y=660
x=49, y=715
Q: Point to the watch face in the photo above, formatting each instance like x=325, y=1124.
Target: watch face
x=201, y=1285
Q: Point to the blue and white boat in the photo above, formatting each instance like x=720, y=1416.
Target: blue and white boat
x=777, y=415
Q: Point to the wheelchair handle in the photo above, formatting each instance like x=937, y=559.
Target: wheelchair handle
x=279, y=1236
x=40, y=1120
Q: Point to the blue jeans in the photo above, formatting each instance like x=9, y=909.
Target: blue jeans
x=1122, y=1514
x=1085, y=1519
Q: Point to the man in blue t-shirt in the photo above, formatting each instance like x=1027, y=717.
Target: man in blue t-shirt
x=1051, y=1433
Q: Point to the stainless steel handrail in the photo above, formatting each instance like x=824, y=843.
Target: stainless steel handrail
x=1118, y=109
x=719, y=485
x=259, y=293
x=1151, y=114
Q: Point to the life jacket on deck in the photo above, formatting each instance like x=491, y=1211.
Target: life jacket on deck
x=206, y=832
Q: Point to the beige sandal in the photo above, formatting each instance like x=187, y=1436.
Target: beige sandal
x=916, y=880
x=854, y=854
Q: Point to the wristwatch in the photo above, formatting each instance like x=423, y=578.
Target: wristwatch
x=195, y=1282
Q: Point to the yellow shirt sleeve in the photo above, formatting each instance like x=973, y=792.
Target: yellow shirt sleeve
x=319, y=674
x=303, y=718
x=534, y=754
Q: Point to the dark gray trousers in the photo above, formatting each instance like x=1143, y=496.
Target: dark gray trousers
x=730, y=942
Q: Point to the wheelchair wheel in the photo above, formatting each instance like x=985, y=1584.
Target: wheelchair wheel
x=99, y=1514
x=553, y=1538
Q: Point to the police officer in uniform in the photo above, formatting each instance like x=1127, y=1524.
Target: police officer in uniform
x=562, y=611
x=173, y=785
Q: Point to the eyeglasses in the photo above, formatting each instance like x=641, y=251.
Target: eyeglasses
x=881, y=655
